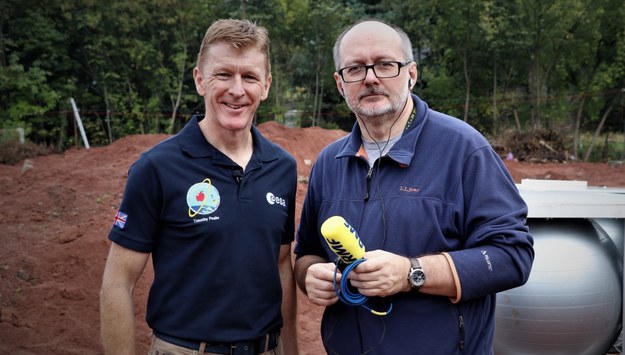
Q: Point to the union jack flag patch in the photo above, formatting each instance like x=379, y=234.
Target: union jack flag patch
x=120, y=219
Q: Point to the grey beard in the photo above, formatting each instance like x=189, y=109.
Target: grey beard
x=392, y=108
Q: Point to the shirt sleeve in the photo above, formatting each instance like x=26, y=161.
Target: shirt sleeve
x=141, y=205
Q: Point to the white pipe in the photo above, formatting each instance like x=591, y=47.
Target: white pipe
x=20, y=133
x=79, y=121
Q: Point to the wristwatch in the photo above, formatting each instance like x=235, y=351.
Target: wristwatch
x=416, y=276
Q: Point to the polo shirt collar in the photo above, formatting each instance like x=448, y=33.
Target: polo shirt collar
x=193, y=142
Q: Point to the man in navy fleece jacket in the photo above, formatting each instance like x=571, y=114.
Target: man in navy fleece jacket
x=439, y=215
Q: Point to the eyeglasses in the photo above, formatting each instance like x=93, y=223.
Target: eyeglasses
x=382, y=70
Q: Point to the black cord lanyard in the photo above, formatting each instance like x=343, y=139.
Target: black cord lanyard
x=411, y=119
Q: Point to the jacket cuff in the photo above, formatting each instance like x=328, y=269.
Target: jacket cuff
x=454, y=273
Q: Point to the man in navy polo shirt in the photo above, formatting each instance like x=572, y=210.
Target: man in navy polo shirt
x=214, y=206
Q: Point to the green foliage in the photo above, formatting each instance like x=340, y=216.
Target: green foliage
x=610, y=147
x=527, y=64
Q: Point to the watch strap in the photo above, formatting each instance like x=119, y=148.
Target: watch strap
x=414, y=263
x=415, y=271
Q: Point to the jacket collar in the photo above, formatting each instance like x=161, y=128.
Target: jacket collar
x=403, y=151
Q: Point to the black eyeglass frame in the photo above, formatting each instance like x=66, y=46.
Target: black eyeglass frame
x=372, y=67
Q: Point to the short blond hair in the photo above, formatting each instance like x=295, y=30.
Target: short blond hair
x=238, y=33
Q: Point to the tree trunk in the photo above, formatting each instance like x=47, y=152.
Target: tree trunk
x=315, y=99
x=176, y=102
x=244, y=9
x=107, y=103
x=276, y=90
x=599, y=127
x=467, y=81
x=535, y=84
x=605, y=153
x=578, y=123
x=495, y=113
x=516, y=119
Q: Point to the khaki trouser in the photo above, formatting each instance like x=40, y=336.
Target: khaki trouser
x=161, y=347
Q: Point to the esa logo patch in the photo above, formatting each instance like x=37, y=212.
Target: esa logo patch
x=275, y=200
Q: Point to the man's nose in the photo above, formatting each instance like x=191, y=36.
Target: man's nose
x=237, y=86
x=370, y=75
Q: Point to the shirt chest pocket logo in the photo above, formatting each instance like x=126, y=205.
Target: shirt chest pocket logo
x=275, y=200
x=202, y=198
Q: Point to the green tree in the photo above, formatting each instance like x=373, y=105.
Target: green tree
x=458, y=31
x=495, y=63
x=552, y=26
x=34, y=64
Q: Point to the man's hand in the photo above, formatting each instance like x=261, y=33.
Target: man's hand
x=381, y=274
x=320, y=284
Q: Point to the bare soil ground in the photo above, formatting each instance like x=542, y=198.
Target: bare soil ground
x=56, y=213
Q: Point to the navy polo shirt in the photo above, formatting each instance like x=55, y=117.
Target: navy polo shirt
x=214, y=233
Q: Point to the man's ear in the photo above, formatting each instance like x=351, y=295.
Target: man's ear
x=414, y=74
x=266, y=87
x=199, y=81
x=339, y=84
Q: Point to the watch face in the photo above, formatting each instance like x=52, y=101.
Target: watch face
x=417, y=277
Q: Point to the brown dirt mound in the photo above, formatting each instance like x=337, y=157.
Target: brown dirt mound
x=12, y=152
x=57, y=211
